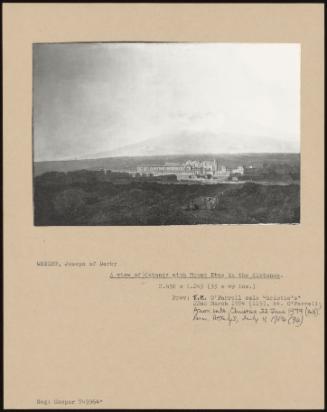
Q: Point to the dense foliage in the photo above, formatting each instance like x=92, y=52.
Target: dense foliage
x=122, y=201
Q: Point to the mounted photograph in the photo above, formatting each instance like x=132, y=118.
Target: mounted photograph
x=148, y=134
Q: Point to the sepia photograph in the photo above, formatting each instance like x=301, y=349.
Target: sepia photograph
x=147, y=134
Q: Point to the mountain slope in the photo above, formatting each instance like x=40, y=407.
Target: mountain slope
x=199, y=143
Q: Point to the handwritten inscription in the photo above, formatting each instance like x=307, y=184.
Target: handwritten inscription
x=229, y=298
x=290, y=310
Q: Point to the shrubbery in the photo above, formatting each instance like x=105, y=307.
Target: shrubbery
x=90, y=202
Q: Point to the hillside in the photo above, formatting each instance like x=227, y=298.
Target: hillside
x=198, y=143
x=130, y=163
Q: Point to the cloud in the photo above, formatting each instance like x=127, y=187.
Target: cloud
x=98, y=97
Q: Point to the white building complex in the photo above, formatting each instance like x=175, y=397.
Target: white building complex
x=191, y=169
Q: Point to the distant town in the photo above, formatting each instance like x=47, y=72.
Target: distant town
x=205, y=171
x=192, y=169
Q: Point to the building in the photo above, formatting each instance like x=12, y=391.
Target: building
x=191, y=169
x=160, y=170
x=239, y=170
x=222, y=173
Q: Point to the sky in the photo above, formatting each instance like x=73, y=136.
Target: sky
x=98, y=97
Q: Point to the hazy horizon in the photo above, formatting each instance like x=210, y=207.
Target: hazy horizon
x=168, y=155
x=191, y=155
x=136, y=99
